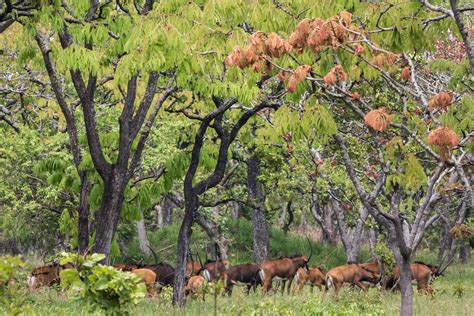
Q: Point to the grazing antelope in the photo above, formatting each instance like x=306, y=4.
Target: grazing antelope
x=312, y=277
x=214, y=270
x=242, y=274
x=283, y=268
x=350, y=273
x=195, y=283
x=148, y=277
x=125, y=267
x=46, y=275
x=164, y=273
x=420, y=273
x=377, y=267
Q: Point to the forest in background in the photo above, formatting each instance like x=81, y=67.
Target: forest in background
x=349, y=122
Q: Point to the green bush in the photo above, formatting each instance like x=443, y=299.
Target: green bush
x=101, y=287
x=12, y=292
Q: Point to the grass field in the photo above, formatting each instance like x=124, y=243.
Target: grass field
x=454, y=295
x=454, y=292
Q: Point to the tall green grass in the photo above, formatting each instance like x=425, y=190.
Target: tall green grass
x=241, y=245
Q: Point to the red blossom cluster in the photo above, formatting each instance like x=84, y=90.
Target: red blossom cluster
x=441, y=101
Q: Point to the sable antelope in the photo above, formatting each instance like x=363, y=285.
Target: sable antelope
x=350, y=273
x=164, y=273
x=214, y=270
x=434, y=269
x=148, y=277
x=46, y=275
x=377, y=267
x=125, y=267
x=420, y=273
x=246, y=274
x=195, y=283
x=283, y=269
x=312, y=277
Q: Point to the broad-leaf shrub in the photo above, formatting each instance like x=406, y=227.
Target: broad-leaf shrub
x=101, y=287
x=12, y=297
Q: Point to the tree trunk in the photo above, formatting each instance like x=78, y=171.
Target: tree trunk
x=406, y=308
x=83, y=215
x=235, y=210
x=143, y=241
x=215, y=233
x=107, y=217
x=159, y=215
x=167, y=211
x=465, y=253
x=259, y=221
x=184, y=238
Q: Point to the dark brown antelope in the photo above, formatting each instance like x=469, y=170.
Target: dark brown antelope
x=420, y=273
x=350, y=273
x=46, y=275
x=312, y=277
x=242, y=274
x=282, y=269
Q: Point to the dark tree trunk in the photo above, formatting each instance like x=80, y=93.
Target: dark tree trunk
x=83, y=214
x=289, y=210
x=259, y=221
x=184, y=237
x=107, y=217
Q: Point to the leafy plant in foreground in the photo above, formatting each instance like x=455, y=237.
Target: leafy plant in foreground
x=101, y=287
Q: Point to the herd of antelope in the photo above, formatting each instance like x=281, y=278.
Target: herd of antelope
x=283, y=269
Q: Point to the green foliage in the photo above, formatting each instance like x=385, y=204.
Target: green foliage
x=11, y=291
x=101, y=287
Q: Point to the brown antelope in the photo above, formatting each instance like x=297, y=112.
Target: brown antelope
x=312, y=277
x=377, y=267
x=195, y=283
x=148, y=277
x=350, y=273
x=245, y=274
x=46, y=275
x=214, y=270
x=420, y=273
x=283, y=268
x=125, y=267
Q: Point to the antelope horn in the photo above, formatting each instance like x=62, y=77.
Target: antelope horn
x=310, y=248
x=154, y=254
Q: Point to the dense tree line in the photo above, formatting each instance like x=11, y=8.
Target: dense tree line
x=351, y=117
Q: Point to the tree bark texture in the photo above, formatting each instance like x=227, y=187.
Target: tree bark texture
x=259, y=221
x=143, y=241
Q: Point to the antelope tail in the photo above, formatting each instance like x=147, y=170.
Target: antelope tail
x=329, y=282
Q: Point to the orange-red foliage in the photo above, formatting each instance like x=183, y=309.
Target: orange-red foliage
x=378, y=119
x=277, y=46
x=337, y=73
x=298, y=75
x=405, y=75
x=355, y=96
x=444, y=139
x=440, y=101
